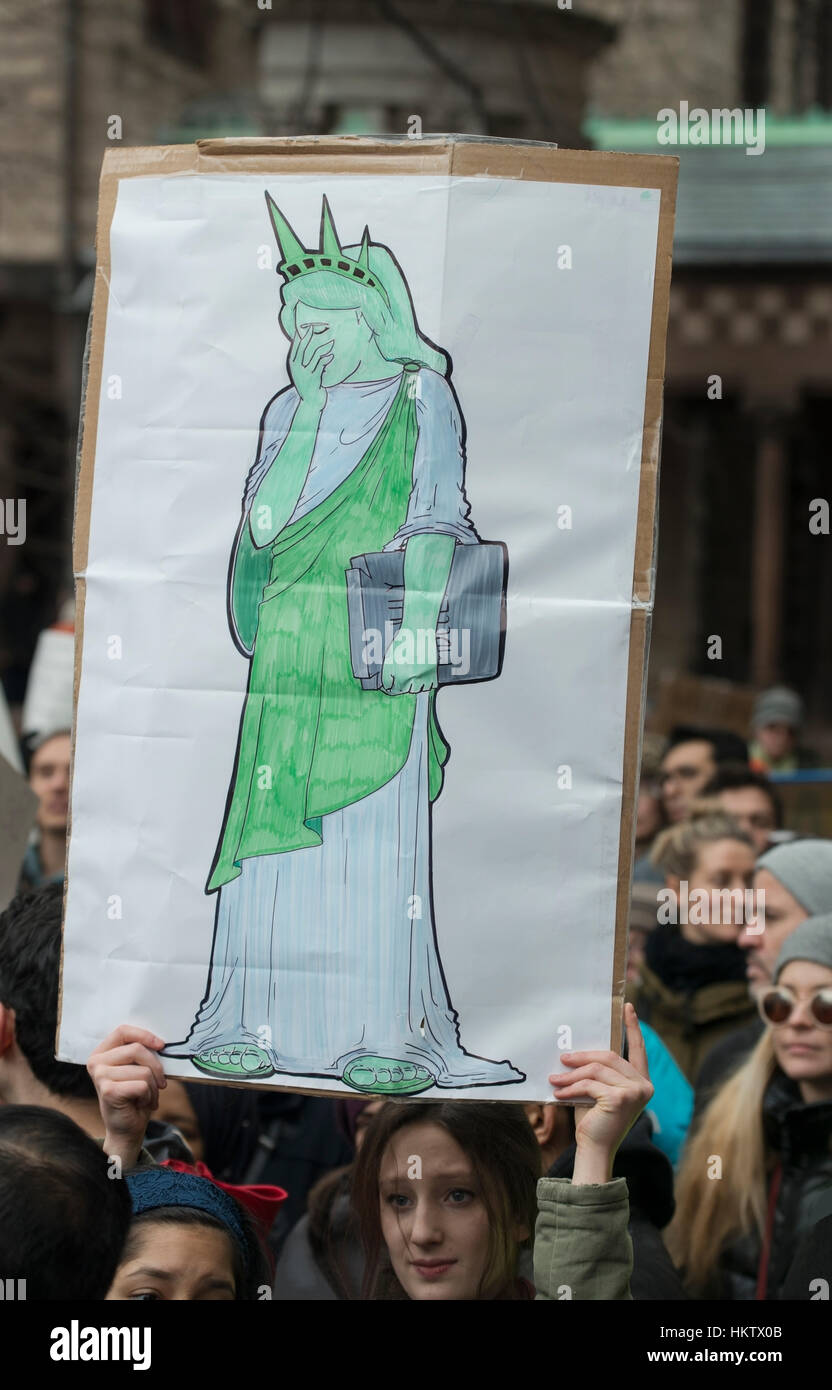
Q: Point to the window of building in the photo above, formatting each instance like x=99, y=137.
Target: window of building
x=180, y=27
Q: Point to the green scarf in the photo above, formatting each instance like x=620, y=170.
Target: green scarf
x=312, y=740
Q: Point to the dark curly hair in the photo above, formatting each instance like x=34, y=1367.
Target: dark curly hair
x=734, y=776
x=64, y=1217
x=30, y=963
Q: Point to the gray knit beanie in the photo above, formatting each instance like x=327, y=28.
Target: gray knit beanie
x=804, y=867
x=777, y=706
x=811, y=941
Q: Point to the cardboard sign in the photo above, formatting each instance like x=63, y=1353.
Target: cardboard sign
x=310, y=851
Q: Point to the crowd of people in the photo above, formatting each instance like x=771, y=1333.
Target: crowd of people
x=697, y=1165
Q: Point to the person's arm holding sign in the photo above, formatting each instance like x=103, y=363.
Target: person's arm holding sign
x=128, y=1076
x=278, y=493
x=582, y=1245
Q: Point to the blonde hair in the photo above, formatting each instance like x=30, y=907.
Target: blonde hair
x=710, y=1213
x=677, y=848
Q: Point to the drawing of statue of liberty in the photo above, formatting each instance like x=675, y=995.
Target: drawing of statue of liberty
x=325, y=960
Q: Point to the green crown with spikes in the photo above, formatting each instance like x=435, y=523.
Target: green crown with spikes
x=297, y=261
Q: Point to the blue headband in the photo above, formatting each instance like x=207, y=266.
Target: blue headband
x=164, y=1187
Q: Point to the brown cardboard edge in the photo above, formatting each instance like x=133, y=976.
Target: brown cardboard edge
x=88, y=427
x=461, y=158
x=643, y=593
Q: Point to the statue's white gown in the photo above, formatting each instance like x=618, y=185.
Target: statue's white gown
x=325, y=954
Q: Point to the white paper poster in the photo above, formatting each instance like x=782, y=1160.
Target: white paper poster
x=413, y=455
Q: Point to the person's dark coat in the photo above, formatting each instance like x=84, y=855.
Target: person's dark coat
x=692, y=995
x=321, y=1260
x=799, y=1140
x=650, y=1184
x=299, y=1142
x=810, y=1274
x=723, y=1060
x=229, y=1123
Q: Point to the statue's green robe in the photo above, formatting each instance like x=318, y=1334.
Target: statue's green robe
x=312, y=740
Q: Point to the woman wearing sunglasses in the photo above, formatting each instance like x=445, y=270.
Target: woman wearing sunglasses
x=752, y=1172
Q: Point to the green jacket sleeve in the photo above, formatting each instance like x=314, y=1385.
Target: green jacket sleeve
x=582, y=1247
x=144, y=1160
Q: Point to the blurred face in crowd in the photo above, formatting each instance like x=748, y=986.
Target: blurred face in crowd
x=166, y=1262
x=49, y=780
x=776, y=740
x=781, y=913
x=175, y=1109
x=635, y=953
x=803, y=1049
x=434, y=1219
x=722, y=867
x=363, y=1119
x=753, y=811
x=649, y=814
x=686, y=770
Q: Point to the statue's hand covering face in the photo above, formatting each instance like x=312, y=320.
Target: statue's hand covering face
x=345, y=329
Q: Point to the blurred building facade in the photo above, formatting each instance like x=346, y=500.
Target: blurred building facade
x=750, y=301
x=748, y=398
x=79, y=75
x=76, y=76
x=515, y=68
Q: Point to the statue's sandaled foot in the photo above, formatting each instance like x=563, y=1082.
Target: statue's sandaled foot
x=234, y=1061
x=386, y=1076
